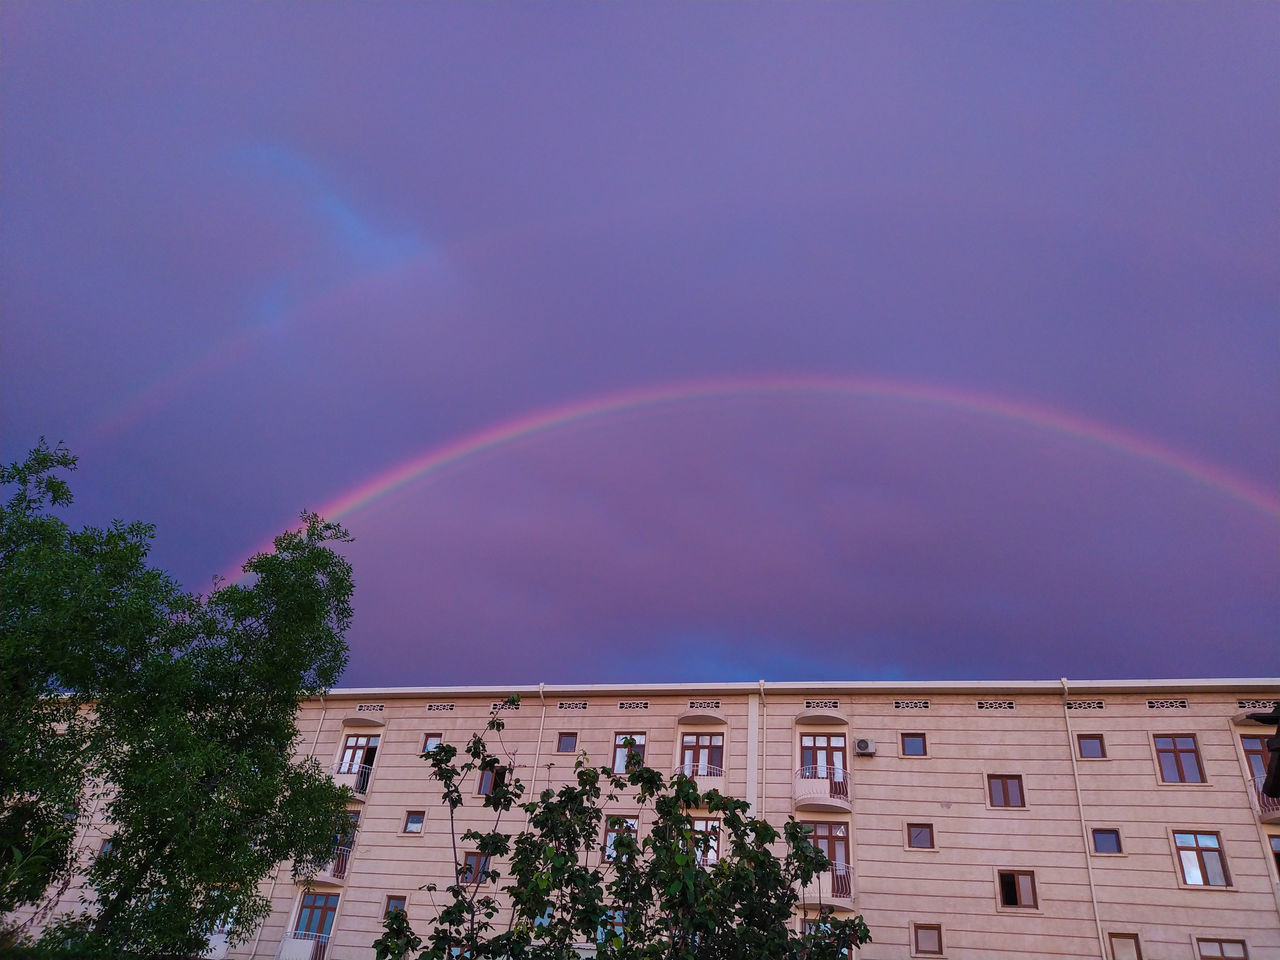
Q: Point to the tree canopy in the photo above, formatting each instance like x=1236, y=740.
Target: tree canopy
x=163, y=718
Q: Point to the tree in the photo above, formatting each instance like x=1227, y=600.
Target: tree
x=678, y=893
x=169, y=716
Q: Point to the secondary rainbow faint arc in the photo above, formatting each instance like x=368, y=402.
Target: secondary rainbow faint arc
x=597, y=407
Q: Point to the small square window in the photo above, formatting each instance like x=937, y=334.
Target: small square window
x=1221, y=949
x=1092, y=746
x=474, y=868
x=1179, y=758
x=1005, y=790
x=567, y=743
x=920, y=836
x=1125, y=946
x=490, y=780
x=913, y=745
x=395, y=902
x=928, y=939
x=1106, y=841
x=1018, y=888
x=430, y=741
x=413, y=821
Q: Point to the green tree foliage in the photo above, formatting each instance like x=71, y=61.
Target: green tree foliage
x=676, y=893
x=165, y=718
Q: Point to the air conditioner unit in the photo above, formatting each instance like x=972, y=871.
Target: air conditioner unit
x=864, y=747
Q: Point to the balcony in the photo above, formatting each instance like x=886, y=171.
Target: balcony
x=334, y=872
x=1267, y=808
x=833, y=888
x=355, y=777
x=700, y=771
x=298, y=945
x=822, y=788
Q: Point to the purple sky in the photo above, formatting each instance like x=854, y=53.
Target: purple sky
x=254, y=256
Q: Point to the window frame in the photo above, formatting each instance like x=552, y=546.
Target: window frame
x=1178, y=753
x=387, y=908
x=1102, y=746
x=560, y=748
x=422, y=823
x=902, y=745
x=489, y=780
x=1093, y=839
x=642, y=741
x=1179, y=849
x=1004, y=779
x=917, y=950
x=426, y=741
x=474, y=864
x=712, y=752
x=1219, y=955
x=1260, y=751
x=933, y=836
x=326, y=913
x=611, y=833
x=1135, y=939
x=711, y=855
x=1017, y=874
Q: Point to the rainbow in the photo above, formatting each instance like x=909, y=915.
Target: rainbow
x=1001, y=408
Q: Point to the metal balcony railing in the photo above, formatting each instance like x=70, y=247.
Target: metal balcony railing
x=693, y=769
x=354, y=776
x=299, y=945
x=1266, y=807
x=833, y=884
x=337, y=867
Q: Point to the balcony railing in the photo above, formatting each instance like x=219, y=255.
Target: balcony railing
x=337, y=867
x=834, y=885
x=1268, y=808
x=822, y=787
x=354, y=776
x=298, y=945
x=692, y=769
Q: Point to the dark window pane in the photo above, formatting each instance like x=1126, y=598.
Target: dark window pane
x=1106, y=841
x=1008, y=889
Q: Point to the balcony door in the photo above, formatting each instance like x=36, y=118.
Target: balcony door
x=833, y=840
x=358, y=754
x=702, y=754
x=315, y=921
x=822, y=757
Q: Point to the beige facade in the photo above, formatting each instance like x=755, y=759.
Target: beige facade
x=965, y=812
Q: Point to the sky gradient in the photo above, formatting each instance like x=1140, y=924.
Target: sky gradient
x=672, y=342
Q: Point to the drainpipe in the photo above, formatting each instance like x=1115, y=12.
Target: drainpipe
x=1084, y=830
x=537, y=750
x=763, y=748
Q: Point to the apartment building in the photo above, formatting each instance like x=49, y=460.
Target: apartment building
x=1116, y=819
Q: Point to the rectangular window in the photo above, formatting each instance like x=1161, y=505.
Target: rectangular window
x=358, y=752
x=430, y=741
x=489, y=780
x=927, y=938
x=315, y=917
x=1179, y=758
x=413, y=821
x=702, y=754
x=1275, y=850
x=1005, y=790
x=1091, y=746
x=623, y=753
x=567, y=743
x=913, y=745
x=1255, y=754
x=920, y=836
x=474, y=868
x=833, y=840
x=1201, y=861
x=1125, y=946
x=1221, y=949
x=706, y=836
x=614, y=926
x=105, y=847
x=1017, y=888
x=1106, y=841
x=395, y=902
x=615, y=828
x=822, y=757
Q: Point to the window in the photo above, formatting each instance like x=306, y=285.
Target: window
x=1106, y=841
x=358, y=751
x=707, y=840
x=1005, y=791
x=614, y=926
x=413, y=821
x=567, y=743
x=1125, y=946
x=1018, y=888
x=1179, y=758
x=913, y=745
x=927, y=939
x=1221, y=949
x=822, y=757
x=475, y=866
x=920, y=836
x=315, y=916
x=1091, y=746
x=395, y=902
x=615, y=828
x=622, y=754
x=490, y=780
x=702, y=754
x=833, y=840
x=105, y=847
x=430, y=741
x=1255, y=754
x=1201, y=861
x=1275, y=850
